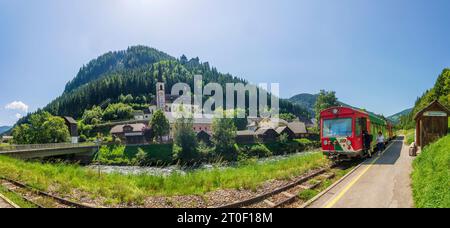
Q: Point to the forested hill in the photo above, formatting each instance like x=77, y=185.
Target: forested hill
x=133, y=57
x=305, y=100
x=396, y=117
x=308, y=101
x=4, y=129
x=440, y=91
x=134, y=72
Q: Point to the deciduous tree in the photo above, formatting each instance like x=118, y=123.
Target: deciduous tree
x=185, y=141
x=224, y=136
x=325, y=100
x=160, y=125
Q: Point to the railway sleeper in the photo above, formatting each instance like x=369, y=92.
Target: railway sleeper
x=22, y=194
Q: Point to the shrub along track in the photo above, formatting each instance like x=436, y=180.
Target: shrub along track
x=37, y=198
x=289, y=195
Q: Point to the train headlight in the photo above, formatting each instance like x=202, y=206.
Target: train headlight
x=325, y=142
x=349, y=143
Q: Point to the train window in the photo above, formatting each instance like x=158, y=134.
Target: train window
x=337, y=127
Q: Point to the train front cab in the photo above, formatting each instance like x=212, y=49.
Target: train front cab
x=341, y=132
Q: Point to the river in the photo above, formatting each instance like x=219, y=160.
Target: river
x=168, y=170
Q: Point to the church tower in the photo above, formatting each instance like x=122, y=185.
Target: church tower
x=160, y=96
x=160, y=91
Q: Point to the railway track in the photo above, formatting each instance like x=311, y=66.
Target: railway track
x=37, y=198
x=6, y=202
x=288, y=195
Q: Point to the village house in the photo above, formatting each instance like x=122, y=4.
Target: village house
x=6, y=139
x=267, y=134
x=299, y=129
x=265, y=129
x=270, y=129
x=131, y=133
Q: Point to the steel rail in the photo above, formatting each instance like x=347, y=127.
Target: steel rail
x=61, y=200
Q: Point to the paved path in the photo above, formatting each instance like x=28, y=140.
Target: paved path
x=381, y=182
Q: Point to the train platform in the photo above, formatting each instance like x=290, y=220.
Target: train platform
x=380, y=182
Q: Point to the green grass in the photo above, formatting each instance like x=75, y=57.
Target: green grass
x=409, y=135
x=307, y=194
x=132, y=189
x=19, y=201
x=431, y=176
x=160, y=153
x=124, y=155
x=276, y=148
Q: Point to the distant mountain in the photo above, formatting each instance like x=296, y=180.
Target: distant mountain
x=308, y=101
x=135, y=71
x=396, y=117
x=305, y=100
x=4, y=129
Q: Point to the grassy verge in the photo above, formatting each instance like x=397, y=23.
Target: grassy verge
x=16, y=198
x=409, y=135
x=431, y=176
x=308, y=194
x=133, y=189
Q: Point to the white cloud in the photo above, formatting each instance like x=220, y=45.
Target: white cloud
x=17, y=105
x=18, y=115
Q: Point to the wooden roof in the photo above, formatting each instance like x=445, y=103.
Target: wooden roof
x=298, y=127
x=70, y=120
x=263, y=131
x=139, y=127
x=433, y=106
x=245, y=133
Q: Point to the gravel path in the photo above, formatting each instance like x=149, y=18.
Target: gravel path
x=4, y=204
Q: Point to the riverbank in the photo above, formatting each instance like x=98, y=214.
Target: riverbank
x=168, y=170
x=89, y=186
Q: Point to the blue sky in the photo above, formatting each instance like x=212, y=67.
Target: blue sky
x=379, y=55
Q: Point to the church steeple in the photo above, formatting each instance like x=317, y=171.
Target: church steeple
x=160, y=74
x=160, y=90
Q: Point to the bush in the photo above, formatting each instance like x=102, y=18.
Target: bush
x=308, y=144
x=260, y=151
x=205, y=151
x=83, y=138
x=116, y=141
x=157, y=154
x=114, y=155
x=140, y=158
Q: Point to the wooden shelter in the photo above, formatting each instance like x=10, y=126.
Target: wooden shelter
x=72, y=125
x=431, y=123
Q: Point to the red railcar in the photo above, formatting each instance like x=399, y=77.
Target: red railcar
x=342, y=131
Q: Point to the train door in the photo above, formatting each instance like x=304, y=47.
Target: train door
x=360, y=127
